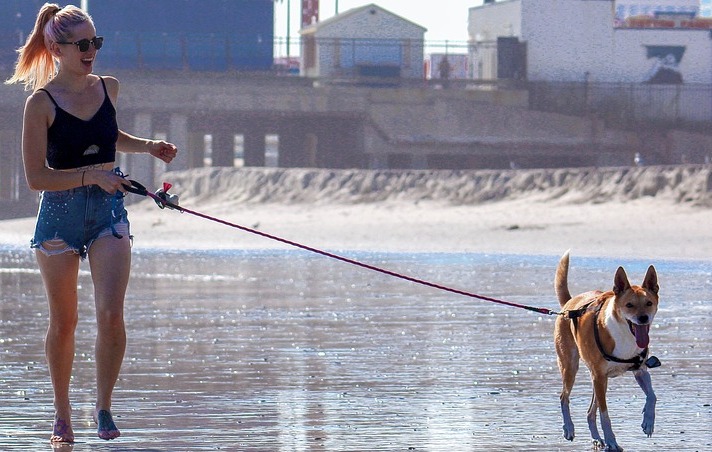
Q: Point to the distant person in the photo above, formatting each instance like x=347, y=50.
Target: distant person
x=638, y=159
x=444, y=69
x=70, y=138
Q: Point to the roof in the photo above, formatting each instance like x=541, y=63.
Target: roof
x=351, y=12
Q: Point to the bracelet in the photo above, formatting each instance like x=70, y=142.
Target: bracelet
x=83, y=173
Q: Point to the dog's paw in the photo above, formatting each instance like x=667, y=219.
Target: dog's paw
x=648, y=424
x=613, y=447
x=569, y=432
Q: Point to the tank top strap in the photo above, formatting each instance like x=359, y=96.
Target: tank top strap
x=50, y=97
x=104, y=85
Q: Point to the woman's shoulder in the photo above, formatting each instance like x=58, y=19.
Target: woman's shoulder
x=112, y=86
x=110, y=81
x=39, y=99
x=39, y=108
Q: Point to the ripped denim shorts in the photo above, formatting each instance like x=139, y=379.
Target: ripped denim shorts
x=70, y=220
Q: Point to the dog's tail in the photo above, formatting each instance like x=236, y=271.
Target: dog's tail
x=561, y=281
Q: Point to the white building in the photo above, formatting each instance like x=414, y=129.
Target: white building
x=364, y=41
x=578, y=40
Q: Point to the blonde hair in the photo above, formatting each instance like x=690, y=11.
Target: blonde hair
x=35, y=65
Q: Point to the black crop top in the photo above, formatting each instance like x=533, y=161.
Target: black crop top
x=73, y=142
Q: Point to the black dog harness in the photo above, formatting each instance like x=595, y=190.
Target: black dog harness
x=635, y=361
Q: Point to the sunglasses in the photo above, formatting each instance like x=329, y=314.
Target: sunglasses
x=83, y=44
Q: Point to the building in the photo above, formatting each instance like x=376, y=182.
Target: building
x=218, y=35
x=581, y=40
x=367, y=41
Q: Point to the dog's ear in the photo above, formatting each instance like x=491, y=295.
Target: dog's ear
x=651, y=280
x=620, y=282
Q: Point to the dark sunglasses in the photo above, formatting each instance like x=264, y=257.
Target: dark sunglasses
x=83, y=44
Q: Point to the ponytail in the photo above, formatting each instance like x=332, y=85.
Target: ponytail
x=36, y=66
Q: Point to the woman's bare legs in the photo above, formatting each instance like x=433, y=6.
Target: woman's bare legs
x=59, y=273
x=110, y=261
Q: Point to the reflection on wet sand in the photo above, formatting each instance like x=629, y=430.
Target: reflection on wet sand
x=286, y=351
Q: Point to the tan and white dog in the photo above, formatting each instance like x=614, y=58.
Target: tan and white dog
x=609, y=331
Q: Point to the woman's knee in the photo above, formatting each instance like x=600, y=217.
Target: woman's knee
x=63, y=325
x=110, y=318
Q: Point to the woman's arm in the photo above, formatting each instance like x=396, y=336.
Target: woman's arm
x=128, y=143
x=34, y=148
x=157, y=148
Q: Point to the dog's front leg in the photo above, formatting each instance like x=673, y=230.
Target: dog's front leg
x=644, y=381
x=591, y=418
x=600, y=386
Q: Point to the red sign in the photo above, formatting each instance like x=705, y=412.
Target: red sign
x=310, y=12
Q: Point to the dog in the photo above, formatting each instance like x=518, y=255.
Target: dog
x=609, y=331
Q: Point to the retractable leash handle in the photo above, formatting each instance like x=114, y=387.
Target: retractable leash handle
x=136, y=188
x=169, y=200
x=162, y=198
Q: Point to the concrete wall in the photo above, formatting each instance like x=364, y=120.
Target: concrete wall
x=568, y=38
x=348, y=127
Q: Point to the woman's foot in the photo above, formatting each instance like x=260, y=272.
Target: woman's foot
x=61, y=431
x=106, y=429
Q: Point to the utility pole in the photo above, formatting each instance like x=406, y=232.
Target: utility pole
x=289, y=38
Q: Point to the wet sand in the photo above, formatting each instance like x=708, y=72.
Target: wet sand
x=237, y=342
x=284, y=350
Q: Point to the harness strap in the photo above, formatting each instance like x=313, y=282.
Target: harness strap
x=575, y=314
x=636, y=361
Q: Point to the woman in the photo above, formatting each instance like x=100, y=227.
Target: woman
x=70, y=138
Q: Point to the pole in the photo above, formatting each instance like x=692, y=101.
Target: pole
x=336, y=7
x=288, y=27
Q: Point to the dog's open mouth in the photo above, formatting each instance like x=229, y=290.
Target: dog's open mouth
x=641, y=333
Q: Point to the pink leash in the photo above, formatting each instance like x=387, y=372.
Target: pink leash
x=164, y=199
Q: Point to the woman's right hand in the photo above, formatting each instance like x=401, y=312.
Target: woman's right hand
x=109, y=181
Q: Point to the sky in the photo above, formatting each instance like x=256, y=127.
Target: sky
x=445, y=19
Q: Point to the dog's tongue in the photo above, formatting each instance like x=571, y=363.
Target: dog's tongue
x=641, y=335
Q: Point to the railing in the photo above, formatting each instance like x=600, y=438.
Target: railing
x=223, y=52
x=622, y=104
x=627, y=105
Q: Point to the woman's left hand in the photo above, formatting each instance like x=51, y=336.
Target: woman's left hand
x=162, y=150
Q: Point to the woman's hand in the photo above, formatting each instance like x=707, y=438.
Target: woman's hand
x=109, y=181
x=162, y=150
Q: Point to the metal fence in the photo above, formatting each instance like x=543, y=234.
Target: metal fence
x=621, y=104
x=627, y=104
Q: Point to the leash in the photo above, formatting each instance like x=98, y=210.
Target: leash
x=169, y=200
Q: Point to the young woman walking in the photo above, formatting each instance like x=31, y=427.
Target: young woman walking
x=70, y=139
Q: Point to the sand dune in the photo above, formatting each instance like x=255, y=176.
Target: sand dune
x=649, y=212
x=680, y=184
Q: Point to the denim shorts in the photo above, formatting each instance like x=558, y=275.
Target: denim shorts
x=70, y=220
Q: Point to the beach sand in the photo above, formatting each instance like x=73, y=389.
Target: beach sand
x=593, y=212
x=283, y=351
